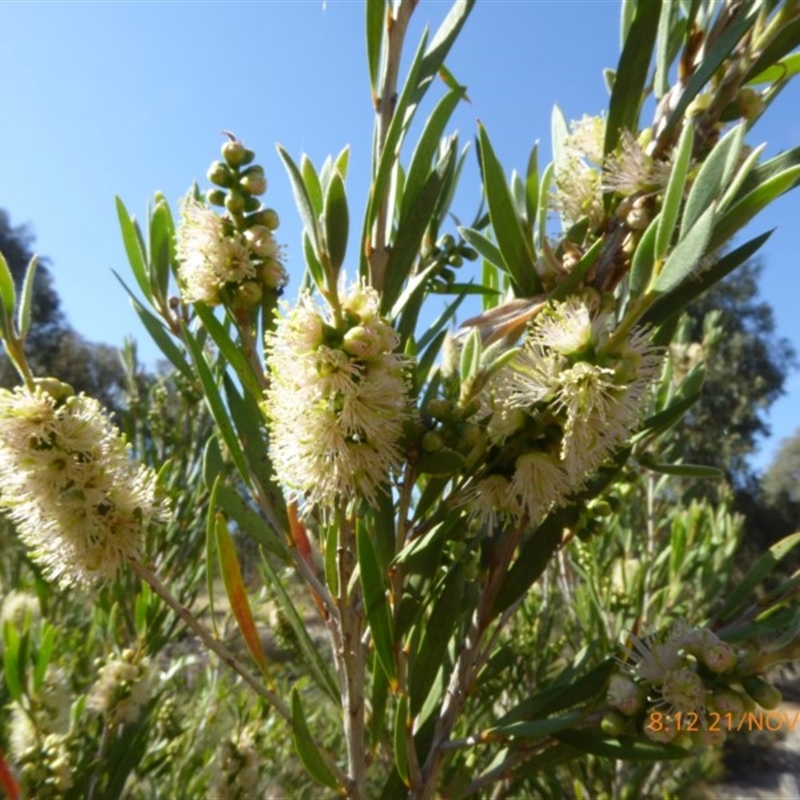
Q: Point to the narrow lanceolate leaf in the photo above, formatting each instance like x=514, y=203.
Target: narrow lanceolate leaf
x=162, y=249
x=8, y=294
x=317, y=666
x=674, y=192
x=215, y=404
x=632, y=72
x=471, y=356
x=744, y=209
x=134, y=249
x=757, y=573
x=12, y=663
x=625, y=748
x=532, y=729
x=484, y=246
x=713, y=177
x=376, y=602
x=436, y=637
x=159, y=334
x=336, y=224
x=376, y=13
x=301, y=198
x=666, y=22
x=426, y=148
x=687, y=470
x=578, y=273
x=25, y=301
x=666, y=306
x=559, y=130
x=644, y=259
x=687, y=254
x=307, y=749
x=237, y=594
x=517, y=258
x=401, y=735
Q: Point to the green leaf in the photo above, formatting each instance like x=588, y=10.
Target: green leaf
x=535, y=729
x=47, y=643
x=313, y=182
x=471, y=356
x=307, y=749
x=517, y=258
x=644, y=259
x=402, y=117
x=713, y=177
x=318, y=668
x=687, y=470
x=782, y=70
x=302, y=199
x=8, y=294
x=634, y=65
x=159, y=334
x=315, y=268
x=13, y=667
x=427, y=146
x=532, y=189
x=442, y=462
x=376, y=602
x=427, y=661
x=771, y=66
x=672, y=303
x=376, y=14
x=134, y=249
x=757, y=573
x=250, y=521
x=216, y=406
x=230, y=350
x=483, y=245
x=687, y=254
x=673, y=194
x=237, y=594
x=162, y=250
x=410, y=231
x=401, y=735
x=24, y=310
x=666, y=24
x=336, y=224
x=625, y=748
x=742, y=211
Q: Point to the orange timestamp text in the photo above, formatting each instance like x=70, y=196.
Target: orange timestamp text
x=713, y=721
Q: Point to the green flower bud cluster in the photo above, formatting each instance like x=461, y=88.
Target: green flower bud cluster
x=233, y=256
x=446, y=439
x=448, y=254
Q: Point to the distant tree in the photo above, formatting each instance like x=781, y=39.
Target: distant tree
x=745, y=375
x=54, y=347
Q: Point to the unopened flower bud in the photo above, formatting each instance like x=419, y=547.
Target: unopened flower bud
x=216, y=197
x=440, y=409
x=750, y=104
x=251, y=204
x=719, y=657
x=247, y=294
x=766, y=695
x=663, y=732
x=707, y=736
x=234, y=202
x=220, y=174
x=361, y=341
x=234, y=153
x=57, y=389
x=625, y=695
x=272, y=274
x=266, y=216
x=727, y=701
x=253, y=184
x=432, y=441
x=613, y=723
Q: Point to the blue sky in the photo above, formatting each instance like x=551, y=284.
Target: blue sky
x=130, y=98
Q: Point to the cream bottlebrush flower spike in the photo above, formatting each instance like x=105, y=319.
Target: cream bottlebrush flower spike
x=337, y=400
x=79, y=502
x=570, y=400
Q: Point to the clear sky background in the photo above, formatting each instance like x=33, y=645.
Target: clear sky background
x=129, y=98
